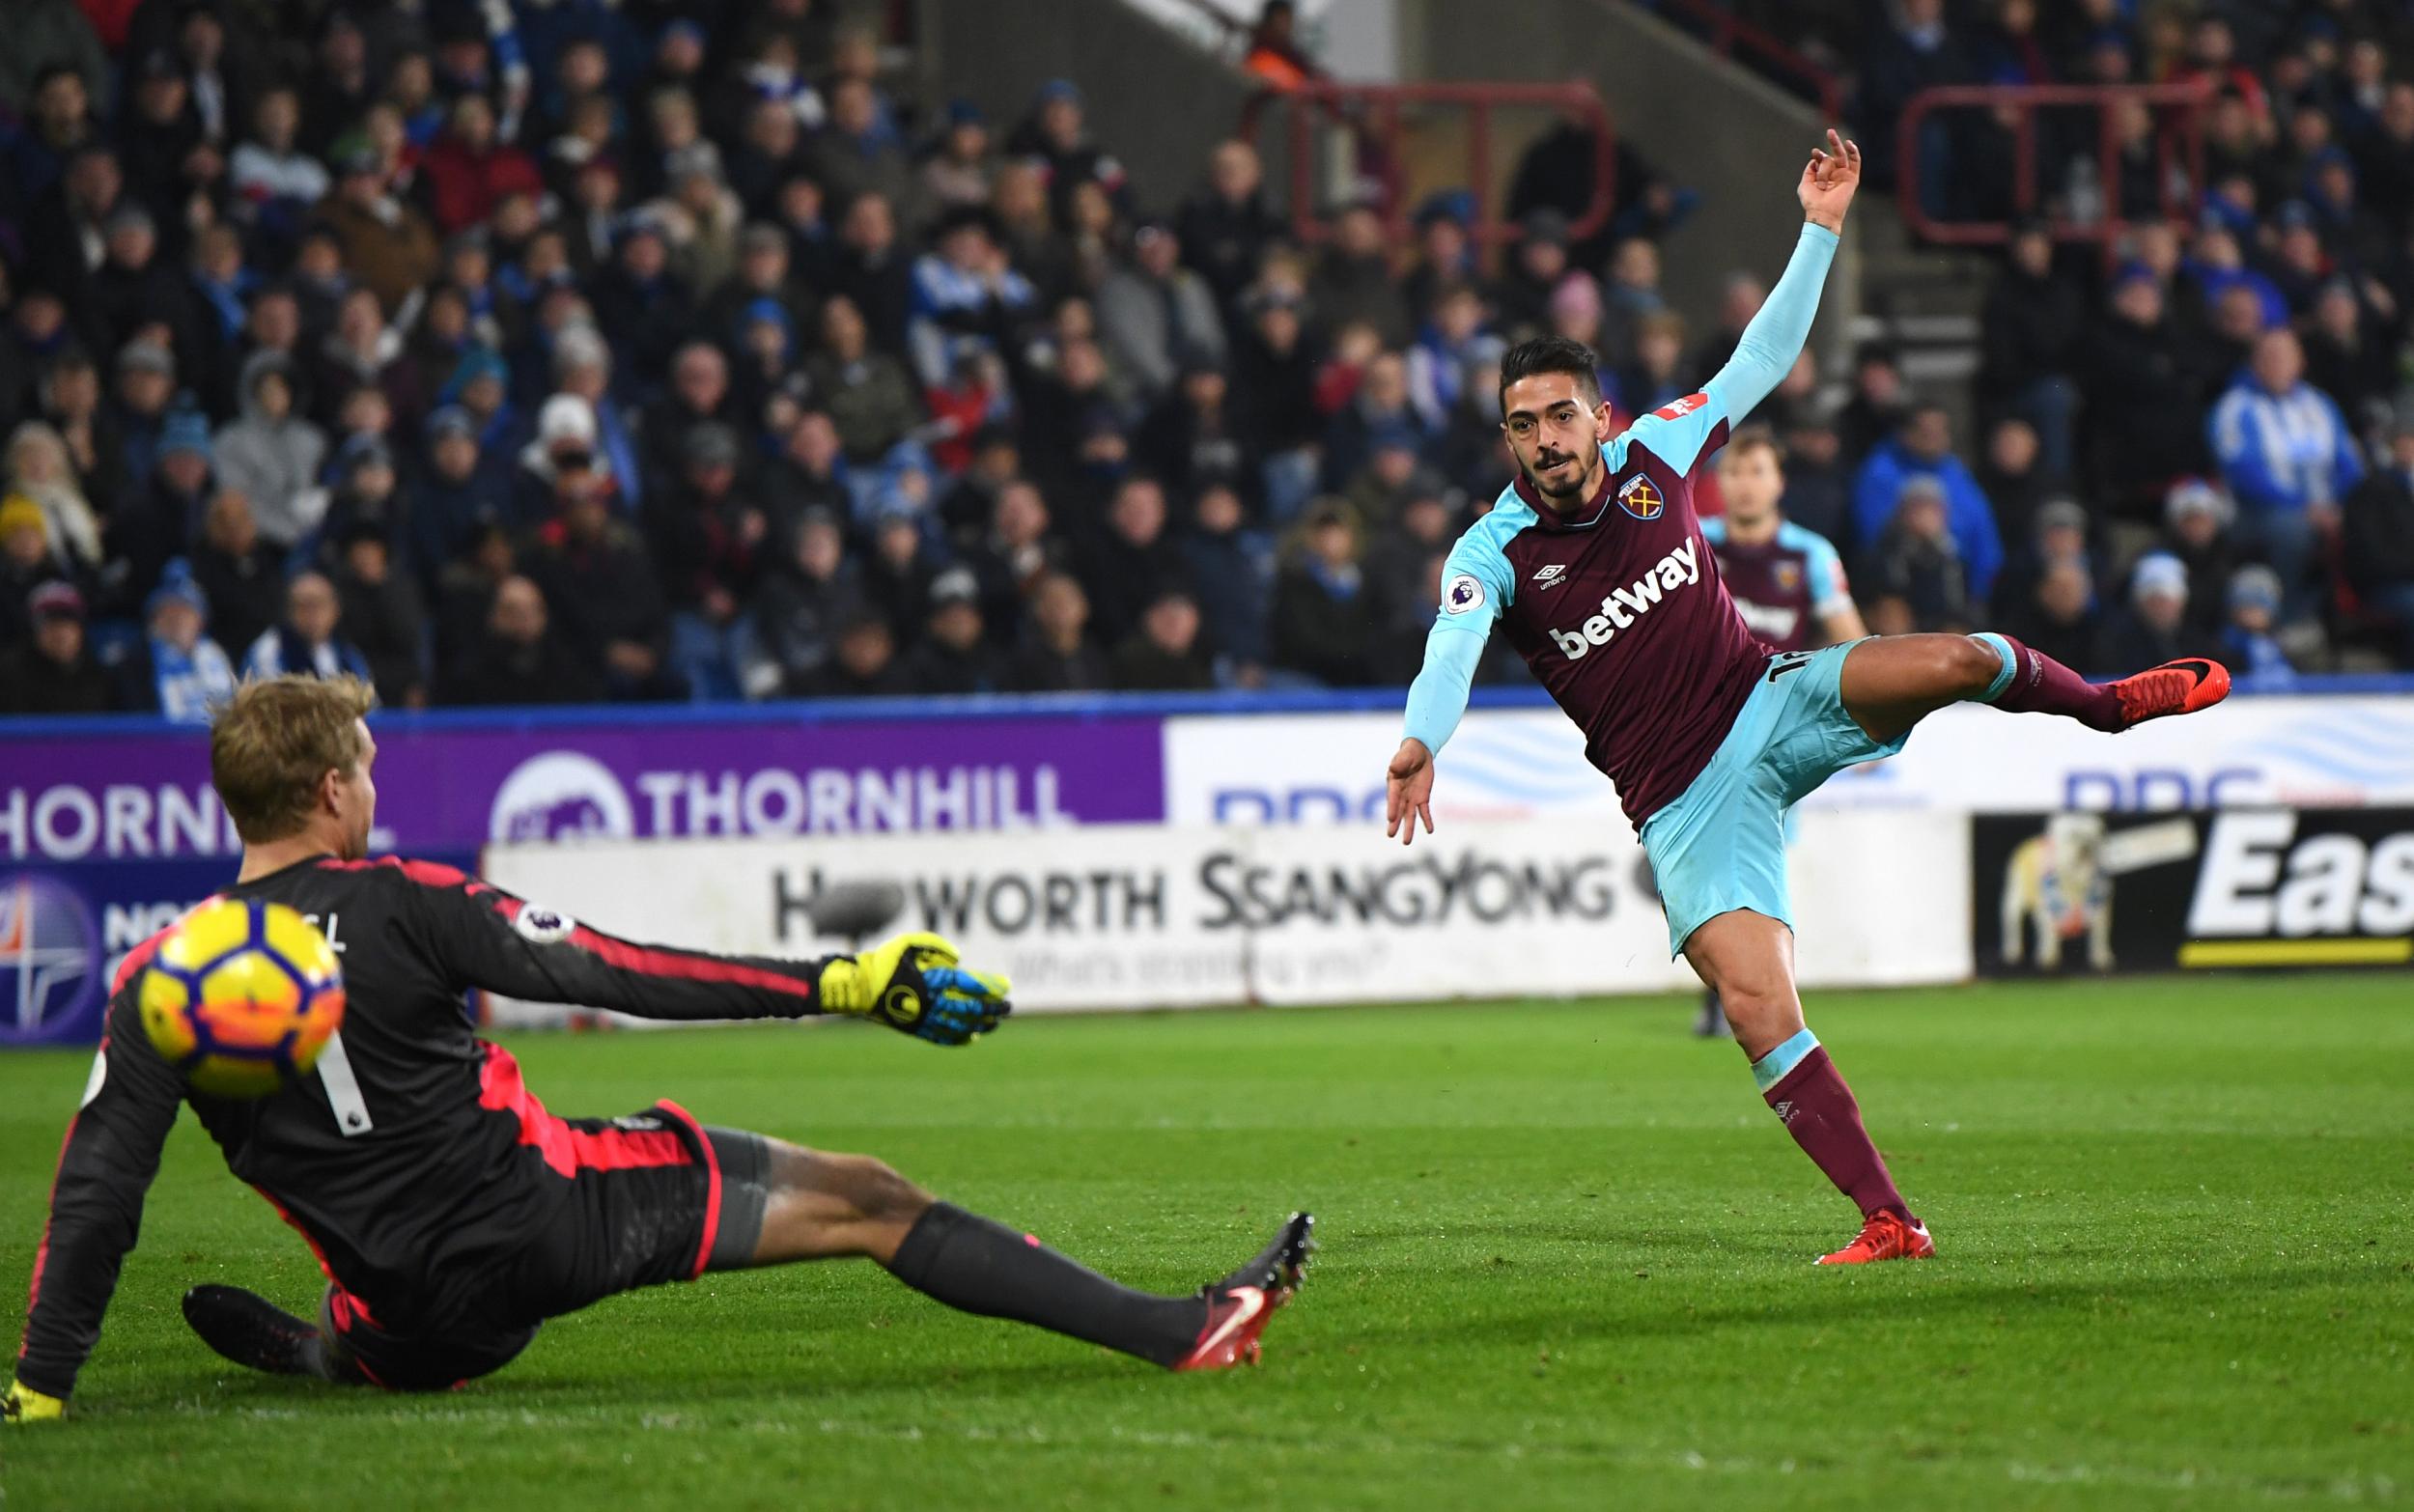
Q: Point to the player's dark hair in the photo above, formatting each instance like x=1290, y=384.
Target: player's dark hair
x=273, y=744
x=1551, y=354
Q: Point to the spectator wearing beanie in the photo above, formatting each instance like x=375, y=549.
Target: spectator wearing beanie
x=53, y=672
x=954, y=659
x=1164, y=653
x=1230, y=565
x=25, y=563
x=808, y=594
x=139, y=408
x=388, y=247
x=2196, y=529
x=2248, y=647
x=176, y=671
x=1915, y=574
x=456, y=491
x=2153, y=629
x=602, y=591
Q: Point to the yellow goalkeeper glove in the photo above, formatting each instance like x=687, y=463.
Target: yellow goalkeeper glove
x=914, y=985
x=25, y=1405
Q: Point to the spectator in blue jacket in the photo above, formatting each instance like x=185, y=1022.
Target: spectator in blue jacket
x=1922, y=446
x=2289, y=459
x=175, y=669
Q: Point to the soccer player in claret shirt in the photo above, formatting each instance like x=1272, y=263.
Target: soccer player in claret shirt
x=1593, y=561
x=1787, y=583
x=451, y=1213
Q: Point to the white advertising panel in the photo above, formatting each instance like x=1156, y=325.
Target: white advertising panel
x=2302, y=751
x=1145, y=916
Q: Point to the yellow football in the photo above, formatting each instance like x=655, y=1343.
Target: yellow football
x=241, y=995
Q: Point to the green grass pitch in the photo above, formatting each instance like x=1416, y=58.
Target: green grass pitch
x=1564, y=1265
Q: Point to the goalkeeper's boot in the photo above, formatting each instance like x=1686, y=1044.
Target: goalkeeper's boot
x=2176, y=688
x=253, y=1332
x=1240, y=1305
x=1885, y=1237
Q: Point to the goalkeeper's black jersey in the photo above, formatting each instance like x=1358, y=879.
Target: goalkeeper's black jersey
x=412, y=1152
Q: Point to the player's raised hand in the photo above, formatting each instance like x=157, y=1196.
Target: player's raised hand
x=1408, y=792
x=1828, y=181
x=914, y=985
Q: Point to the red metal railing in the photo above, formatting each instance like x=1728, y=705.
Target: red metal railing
x=2178, y=126
x=1730, y=34
x=1378, y=110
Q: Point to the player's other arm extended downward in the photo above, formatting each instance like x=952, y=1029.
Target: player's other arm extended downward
x=105, y=1167
x=1438, y=699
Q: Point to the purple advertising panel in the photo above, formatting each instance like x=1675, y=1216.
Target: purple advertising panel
x=451, y=784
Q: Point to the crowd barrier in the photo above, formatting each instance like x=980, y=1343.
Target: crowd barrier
x=108, y=828
x=1177, y=916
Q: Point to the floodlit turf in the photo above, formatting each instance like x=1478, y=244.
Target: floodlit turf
x=1564, y=1265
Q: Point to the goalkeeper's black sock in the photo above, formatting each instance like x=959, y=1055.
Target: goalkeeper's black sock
x=976, y=1266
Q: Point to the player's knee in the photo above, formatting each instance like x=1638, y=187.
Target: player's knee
x=1969, y=665
x=1753, y=1004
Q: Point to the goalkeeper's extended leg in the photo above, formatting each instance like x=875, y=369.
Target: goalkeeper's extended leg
x=821, y=1206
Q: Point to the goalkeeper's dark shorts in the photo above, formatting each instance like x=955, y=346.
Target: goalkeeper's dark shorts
x=656, y=1197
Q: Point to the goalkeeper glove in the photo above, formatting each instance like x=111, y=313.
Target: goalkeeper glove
x=25, y=1405
x=914, y=985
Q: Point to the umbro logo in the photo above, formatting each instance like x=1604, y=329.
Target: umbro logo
x=1784, y=1109
x=1551, y=576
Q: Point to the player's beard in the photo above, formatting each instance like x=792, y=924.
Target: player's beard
x=1572, y=491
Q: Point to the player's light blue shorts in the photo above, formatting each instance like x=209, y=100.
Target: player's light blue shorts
x=1721, y=844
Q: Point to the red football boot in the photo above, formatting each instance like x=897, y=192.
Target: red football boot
x=1885, y=1237
x=1241, y=1304
x=2176, y=688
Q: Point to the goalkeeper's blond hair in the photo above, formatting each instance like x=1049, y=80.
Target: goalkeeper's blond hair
x=275, y=741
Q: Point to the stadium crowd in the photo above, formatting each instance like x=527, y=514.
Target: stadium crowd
x=671, y=350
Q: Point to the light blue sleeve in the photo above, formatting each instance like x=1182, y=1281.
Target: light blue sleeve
x=1678, y=433
x=1476, y=584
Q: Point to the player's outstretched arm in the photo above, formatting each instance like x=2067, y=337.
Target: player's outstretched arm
x=488, y=939
x=1475, y=587
x=105, y=1168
